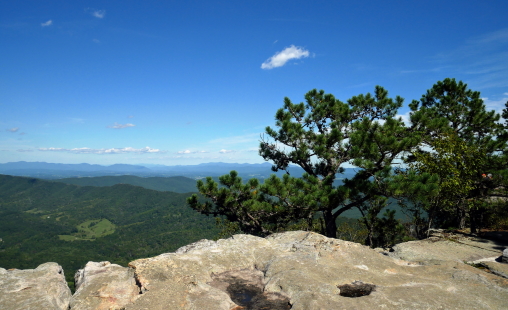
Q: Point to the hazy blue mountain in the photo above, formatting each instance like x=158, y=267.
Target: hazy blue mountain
x=58, y=171
x=176, y=184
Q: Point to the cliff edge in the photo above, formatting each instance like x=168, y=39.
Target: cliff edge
x=293, y=270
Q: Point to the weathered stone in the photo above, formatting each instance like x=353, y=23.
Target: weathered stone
x=453, y=247
x=104, y=286
x=34, y=289
x=505, y=256
x=307, y=270
x=293, y=270
x=497, y=268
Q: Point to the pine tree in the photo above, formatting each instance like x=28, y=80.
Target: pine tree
x=321, y=136
x=461, y=142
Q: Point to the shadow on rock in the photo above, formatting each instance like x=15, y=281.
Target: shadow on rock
x=245, y=287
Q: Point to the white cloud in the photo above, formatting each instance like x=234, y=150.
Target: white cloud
x=506, y=94
x=405, y=118
x=190, y=152
x=99, y=13
x=223, y=151
x=48, y=23
x=120, y=126
x=280, y=59
x=496, y=105
x=53, y=149
x=86, y=150
x=14, y=129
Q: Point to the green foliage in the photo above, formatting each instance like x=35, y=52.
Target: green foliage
x=34, y=213
x=465, y=141
x=90, y=230
x=258, y=209
x=451, y=142
x=320, y=136
x=352, y=230
x=458, y=166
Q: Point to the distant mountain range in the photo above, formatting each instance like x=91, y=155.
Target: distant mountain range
x=57, y=171
x=177, y=184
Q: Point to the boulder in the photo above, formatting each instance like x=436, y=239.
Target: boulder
x=496, y=268
x=293, y=270
x=104, y=286
x=305, y=270
x=34, y=289
x=447, y=247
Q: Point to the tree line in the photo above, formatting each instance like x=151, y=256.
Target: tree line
x=445, y=166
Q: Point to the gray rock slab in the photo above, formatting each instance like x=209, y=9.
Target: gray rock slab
x=104, y=286
x=505, y=256
x=34, y=289
x=307, y=269
x=462, y=249
x=497, y=268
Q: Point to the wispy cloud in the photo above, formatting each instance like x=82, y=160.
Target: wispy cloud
x=13, y=129
x=483, y=58
x=86, y=150
x=120, y=126
x=223, y=151
x=99, y=13
x=281, y=58
x=24, y=150
x=191, y=152
x=496, y=105
x=96, y=41
x=437, y=69
x=48, y=23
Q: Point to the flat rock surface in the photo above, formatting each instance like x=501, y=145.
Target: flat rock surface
x=104, y=286
x=34, y=289
x=293, y=270
x=497, y=268
x=450, y=247
x=306, y=270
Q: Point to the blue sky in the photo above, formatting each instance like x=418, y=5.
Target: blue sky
x=189, y=82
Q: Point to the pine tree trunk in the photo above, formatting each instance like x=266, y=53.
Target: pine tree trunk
x=330, y=224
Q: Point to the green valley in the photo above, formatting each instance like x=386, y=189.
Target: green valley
x=43, y=221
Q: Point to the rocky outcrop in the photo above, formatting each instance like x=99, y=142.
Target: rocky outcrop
x=104, y=286
x=312, y=271
x=34, y=289
x=442, y=246
x=294, y=270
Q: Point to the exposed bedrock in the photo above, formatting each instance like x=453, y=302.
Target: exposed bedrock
x=294, y=270
x=34, y=289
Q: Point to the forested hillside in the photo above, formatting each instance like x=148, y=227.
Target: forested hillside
x=42, y=221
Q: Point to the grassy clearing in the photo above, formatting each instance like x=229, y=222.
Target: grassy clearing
x=91, y=230
x=35, y=211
